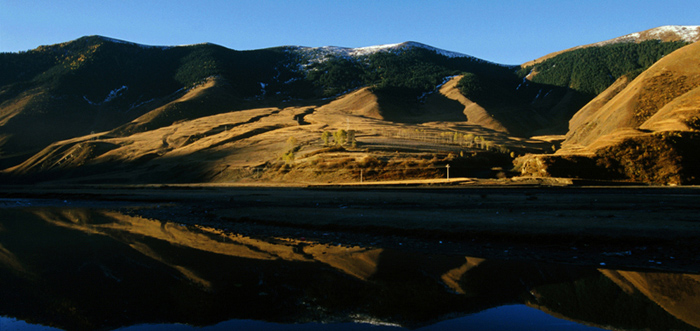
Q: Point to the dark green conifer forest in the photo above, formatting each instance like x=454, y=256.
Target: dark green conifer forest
x=591, y=70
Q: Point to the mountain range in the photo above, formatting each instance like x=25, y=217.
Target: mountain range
x=98, y=109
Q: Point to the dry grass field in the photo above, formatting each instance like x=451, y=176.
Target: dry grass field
x=316, y=141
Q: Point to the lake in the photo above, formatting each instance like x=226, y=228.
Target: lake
x=90, y=268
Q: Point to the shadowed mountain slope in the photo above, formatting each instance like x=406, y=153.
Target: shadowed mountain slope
x=96, y=84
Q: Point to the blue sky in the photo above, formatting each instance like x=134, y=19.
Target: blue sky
x=508, y=32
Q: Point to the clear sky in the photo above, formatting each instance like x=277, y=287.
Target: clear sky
x=506, y=31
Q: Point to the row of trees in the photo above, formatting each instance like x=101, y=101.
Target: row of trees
x=337, y=138
x=340, y=137
x=468, y=140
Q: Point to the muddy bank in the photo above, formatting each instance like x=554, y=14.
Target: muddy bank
x=624, y=227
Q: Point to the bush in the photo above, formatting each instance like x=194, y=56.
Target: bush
x=340, y=137
x=693, y=122
x=369, y=161
x=325, y=137
x=288, y=157
x=663, y=158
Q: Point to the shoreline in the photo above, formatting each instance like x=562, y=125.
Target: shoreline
x=649, y=228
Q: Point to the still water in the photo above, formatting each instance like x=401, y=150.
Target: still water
x=86, y=269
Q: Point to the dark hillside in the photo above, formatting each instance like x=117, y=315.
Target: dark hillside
x=95, y=84
x=591, y=70
x=558, y=87
x=413, y=71
x=406, y=77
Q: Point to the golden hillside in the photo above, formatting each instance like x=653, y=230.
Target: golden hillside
x=636, y=129
x=179, y=142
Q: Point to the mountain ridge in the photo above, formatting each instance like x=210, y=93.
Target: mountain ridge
x=686, y=33
x=89, y=99
x=368, y=50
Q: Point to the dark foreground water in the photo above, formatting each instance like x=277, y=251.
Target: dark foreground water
x=86, y=269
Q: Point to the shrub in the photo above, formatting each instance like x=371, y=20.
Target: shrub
x=693, y=122
x=471, y=86
x=288, y=157
x=291, y=142
x=325, y=137
x=340, y=137
x=292, y=147
x=369, y=161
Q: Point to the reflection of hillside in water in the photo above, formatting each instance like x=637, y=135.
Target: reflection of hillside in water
x=86, y=269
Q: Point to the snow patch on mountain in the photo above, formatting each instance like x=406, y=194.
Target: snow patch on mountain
x=115, y=93
x=423, y=97
x=362, y=51
x=320, y=54
x=687, y=33
x=110, y=96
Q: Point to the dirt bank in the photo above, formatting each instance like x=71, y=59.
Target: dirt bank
x=624, y=227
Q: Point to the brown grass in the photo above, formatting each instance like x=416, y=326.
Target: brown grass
x=666, y=82
x=664, y=158
x=659, y=91
x=248, y=145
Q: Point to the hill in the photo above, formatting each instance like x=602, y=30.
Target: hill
x=643, y=130
x=100, y=105
x=593, y=69
x=667, y=33
x=95, y=84
x=99, y=109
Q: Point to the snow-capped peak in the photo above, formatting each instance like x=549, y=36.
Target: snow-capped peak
x=360, y=51
x=687, y=33
x=319, y=53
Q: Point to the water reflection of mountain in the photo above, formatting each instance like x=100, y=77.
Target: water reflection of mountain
x=88, y=269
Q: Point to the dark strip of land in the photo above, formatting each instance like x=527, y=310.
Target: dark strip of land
x=627, y=227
